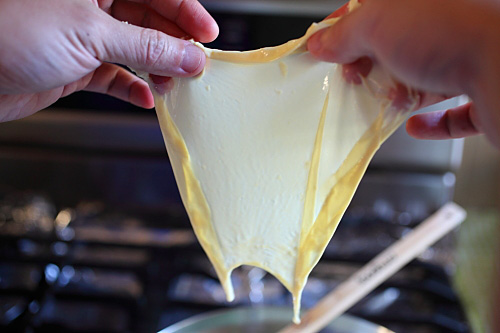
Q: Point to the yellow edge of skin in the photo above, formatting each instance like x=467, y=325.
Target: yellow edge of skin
x=312, y=181
x=195, y=202
x=314, y=241
x=267, y=54
x=197, y=206
x=309, y=203
x=315, y=234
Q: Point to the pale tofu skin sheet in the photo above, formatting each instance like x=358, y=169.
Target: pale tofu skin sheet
x=267, y=148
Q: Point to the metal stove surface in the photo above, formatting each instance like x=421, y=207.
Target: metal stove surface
x=84, y=269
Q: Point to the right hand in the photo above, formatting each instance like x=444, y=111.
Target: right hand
x=445, y=47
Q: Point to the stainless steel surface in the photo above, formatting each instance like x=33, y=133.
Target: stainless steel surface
x=262, y=320
x=62, y=128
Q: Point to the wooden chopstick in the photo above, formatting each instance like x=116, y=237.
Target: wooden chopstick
x=379, y=269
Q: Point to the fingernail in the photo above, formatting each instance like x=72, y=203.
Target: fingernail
x=162, y=84
x=193, y=57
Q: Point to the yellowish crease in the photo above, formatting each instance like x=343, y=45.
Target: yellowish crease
x=194, y=200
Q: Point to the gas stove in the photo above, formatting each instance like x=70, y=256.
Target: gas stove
x=71, y=263
x=84, y=269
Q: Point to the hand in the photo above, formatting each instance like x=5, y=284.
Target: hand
x=52, y=48
x=445, y=47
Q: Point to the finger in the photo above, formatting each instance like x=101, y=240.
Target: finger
x=427, y=99
x=117, y=82
x=354, y=72
x=144, y=16
x=454, y=123
x=189, y=15
x=149, y=50
x=161, y=84
x=339, y=12
x=345, y=41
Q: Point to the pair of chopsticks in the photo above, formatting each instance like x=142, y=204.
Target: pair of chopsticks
x=379, y=269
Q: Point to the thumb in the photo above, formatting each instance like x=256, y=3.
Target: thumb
x=345, y=41
x=457, y=122
x=150, y=50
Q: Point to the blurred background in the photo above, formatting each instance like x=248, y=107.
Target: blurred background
x=94, y=237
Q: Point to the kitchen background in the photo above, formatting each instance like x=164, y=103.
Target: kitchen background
x=94, y=238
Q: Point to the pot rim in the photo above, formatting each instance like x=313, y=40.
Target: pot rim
x=344, y=322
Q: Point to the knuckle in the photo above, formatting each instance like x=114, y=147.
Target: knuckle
x=180, y=8
x=154, y=46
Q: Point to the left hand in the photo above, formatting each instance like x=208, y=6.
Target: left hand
x=52, y=48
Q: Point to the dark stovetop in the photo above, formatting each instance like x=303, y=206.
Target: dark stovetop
x=86, y=270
